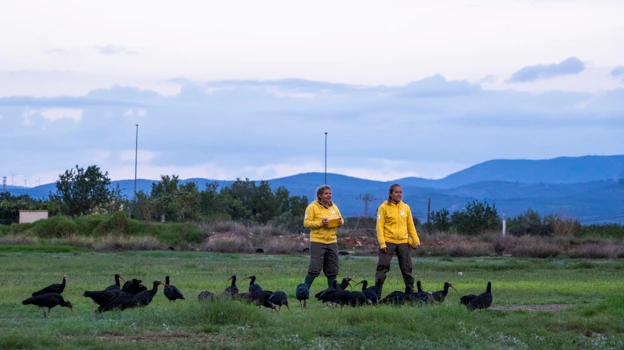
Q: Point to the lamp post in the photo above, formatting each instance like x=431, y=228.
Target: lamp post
x=326, y=157
x=136, y=152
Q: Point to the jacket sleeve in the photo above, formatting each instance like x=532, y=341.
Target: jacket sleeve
x=308, y=219
x=411, y=228
x=339, y=214
x=381, y=219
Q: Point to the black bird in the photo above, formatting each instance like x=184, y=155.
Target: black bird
x=325, y=294
x=146, y=296
x=232, y=289
x=440, y=295
x=120, y=301
x=279, y=298
x=205, y=295
x=302, y=294
x=467, y=299
x=104, y=297
x=372, y=293
x=483, y=300
x=396, y=297
x=358, y=299
x=133, y=287
x=171, y=292
x=48, y=300
x=53, y=288
x=117, y=285
x=346, y=282
x=253, y=287
x=422, y=296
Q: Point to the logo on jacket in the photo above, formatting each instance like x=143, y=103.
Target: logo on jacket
x=333, y=211
x=403, y=212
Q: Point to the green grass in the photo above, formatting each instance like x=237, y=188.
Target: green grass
x=591, y=288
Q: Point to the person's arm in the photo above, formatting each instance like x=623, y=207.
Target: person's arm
x=411, y=228
x=381, y=220
x=308, y=219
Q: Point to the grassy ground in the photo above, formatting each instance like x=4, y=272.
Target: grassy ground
x=592, y=315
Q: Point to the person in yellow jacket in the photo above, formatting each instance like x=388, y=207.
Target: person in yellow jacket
x=322, y=217
x=396, y=233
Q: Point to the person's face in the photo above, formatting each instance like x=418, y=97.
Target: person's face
x=397, y=194
x=326, y=196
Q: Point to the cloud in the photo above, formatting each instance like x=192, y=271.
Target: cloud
x=64, y=101
x=58, y=51
x=114, y=50
x=571, y=65
x=230, y=129
x=617, y=71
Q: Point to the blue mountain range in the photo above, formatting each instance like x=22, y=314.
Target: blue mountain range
x=589, y=188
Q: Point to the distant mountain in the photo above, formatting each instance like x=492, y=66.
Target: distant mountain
x=588, y=188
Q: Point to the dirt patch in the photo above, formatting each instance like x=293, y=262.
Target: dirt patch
x=549, y=307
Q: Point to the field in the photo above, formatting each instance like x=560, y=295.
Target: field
x=538, y=303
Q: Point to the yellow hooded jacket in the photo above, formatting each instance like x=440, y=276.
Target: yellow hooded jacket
x=394, y=222
x=314, y=214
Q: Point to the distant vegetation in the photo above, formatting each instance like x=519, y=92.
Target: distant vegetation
x=247, y=217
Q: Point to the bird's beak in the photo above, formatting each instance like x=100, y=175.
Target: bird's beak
x=121, y=278
x=357, y=284
x=246, y=278
x=229, y=278
x=72, y=310
x=454, y=288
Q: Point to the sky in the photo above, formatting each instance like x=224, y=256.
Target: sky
x=247, y=89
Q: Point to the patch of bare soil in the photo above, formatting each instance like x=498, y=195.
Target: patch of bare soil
x=549, y=307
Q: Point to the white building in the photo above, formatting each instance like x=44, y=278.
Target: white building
x=32, y=215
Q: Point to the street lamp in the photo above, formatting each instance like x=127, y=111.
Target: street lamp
x=326, y=157
x=136, y=152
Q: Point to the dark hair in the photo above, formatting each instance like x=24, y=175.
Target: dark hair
x=320, y=190
x=392, y=187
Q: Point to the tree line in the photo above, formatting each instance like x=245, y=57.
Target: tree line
x=82, y=191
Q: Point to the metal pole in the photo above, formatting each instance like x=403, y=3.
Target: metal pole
x=326, y=157
x=136, y=152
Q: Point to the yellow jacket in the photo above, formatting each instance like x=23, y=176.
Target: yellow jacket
x=394, y=222
x=313, y=219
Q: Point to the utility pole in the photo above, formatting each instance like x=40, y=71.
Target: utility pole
x=429, y=211
x=136, y=153
x=366, y=198
x=504, y=224
x=3, y=184
x=325, y=158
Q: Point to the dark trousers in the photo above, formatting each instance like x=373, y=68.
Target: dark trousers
x=323, y=257
x=405, y=263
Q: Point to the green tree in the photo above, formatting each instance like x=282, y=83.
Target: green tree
x=477, y=217
x=441, y=220
x=80, y=191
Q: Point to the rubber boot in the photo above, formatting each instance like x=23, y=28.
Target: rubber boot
x=330, y=281
x=409, y=289
x=309, y=279
x=379, y=285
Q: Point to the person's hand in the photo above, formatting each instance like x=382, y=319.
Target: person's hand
x=384, y=250
x=416, y=245
x=325, y=222
x=341, y=222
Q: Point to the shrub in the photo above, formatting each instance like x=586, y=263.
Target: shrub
x=54, y=227
x=597, y=251
x=280, y=245
x=561, y=226
x=118, y=223
x=20, y=228
x=19, y=239
x=227, y=243
x=120, y=242
x=87, y=225
x=531, y=247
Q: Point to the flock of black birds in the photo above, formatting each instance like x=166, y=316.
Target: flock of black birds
x=133, y=294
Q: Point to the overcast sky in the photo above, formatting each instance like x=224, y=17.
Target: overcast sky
x=236, y=89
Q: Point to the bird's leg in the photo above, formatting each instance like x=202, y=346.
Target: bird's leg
x=304, y=304
x=287, y=307
x=49, y=312
x=43, y=312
